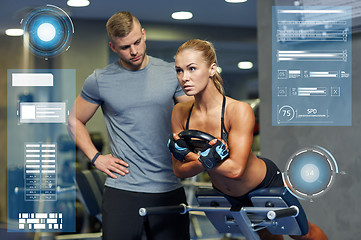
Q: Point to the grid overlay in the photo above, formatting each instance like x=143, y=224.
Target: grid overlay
x=40, y=171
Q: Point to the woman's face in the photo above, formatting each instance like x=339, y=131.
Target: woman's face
x=193, y=73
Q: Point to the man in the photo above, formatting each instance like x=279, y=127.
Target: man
x=137, y=95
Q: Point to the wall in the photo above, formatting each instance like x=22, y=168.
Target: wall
x=88, y=51
x=91, y=52
x=337, y=212
x=13, y=56
x=6, y=62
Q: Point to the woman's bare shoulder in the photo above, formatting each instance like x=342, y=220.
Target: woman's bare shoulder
x=239, y=114
x=180, y=114
x=182, y=108
x=236, y=106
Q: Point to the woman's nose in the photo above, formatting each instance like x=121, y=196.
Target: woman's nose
x=185, y=76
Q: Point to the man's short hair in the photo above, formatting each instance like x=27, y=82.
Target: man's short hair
x=120, y=24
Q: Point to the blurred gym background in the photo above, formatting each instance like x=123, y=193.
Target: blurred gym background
x=240, y=32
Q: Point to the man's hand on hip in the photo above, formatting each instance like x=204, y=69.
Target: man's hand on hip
x=109, y=164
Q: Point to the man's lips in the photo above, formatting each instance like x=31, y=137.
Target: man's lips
x=135, y=59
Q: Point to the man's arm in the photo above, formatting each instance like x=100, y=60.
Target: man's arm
x=80, y=114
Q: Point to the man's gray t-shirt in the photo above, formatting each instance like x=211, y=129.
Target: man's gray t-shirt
x=137, y=108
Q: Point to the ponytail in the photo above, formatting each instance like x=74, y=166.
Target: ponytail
x=218, y=82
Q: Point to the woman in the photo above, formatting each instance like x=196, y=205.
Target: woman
x=232, y=166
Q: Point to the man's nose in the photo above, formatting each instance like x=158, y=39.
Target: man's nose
x=133, y=51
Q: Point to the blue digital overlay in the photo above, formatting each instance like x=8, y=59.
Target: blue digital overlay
x=48, y=31
x=310, y=172
x=40, y=154
x=311, y=66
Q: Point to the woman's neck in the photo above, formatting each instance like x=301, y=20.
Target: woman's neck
x=208, y=99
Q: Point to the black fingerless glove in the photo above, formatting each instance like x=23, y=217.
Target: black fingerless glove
x=210, y=156
x=178, y=148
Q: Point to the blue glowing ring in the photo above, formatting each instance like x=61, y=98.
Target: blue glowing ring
x=48, y=31
x=310, y=172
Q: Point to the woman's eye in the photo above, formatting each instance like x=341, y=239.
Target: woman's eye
x=178, y=70
x=192, y=68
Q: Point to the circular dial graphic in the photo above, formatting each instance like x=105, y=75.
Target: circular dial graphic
x=48, y=31
x=310, y=172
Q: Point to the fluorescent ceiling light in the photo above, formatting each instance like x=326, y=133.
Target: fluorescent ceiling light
x=236, y=1
x=245, y=65
x=78, y=3
x=182, y=15
x=14, y=32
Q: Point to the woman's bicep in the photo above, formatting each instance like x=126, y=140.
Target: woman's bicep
x=241, y=133
x=239, y=143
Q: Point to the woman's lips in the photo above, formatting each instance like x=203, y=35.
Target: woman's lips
x=187, y=87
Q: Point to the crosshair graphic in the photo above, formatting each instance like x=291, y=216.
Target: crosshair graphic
x=48, y=31
x=310, y=172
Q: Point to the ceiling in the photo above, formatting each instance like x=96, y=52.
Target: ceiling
x=205, y=12
x=214, y=16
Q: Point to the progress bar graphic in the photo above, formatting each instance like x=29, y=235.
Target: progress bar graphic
x=311, y=55
x=317, y=91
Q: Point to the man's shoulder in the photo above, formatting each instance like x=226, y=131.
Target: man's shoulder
x=110, y=68
x=160, y=62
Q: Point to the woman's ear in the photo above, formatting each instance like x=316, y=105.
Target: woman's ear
x=213, y=69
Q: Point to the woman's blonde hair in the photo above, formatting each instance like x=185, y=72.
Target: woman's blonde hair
x=209, y=55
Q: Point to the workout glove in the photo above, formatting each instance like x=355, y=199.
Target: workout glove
x=211, y=156
x=178, y=148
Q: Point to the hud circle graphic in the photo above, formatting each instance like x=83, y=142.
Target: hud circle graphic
x=310, y=172
x=48, y=31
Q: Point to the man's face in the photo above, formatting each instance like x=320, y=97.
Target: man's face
x=131, y=49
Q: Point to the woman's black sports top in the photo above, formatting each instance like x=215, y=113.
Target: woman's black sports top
x=224, y=133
